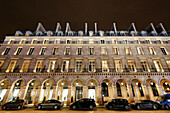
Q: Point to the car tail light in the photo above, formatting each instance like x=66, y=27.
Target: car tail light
x=22, y=103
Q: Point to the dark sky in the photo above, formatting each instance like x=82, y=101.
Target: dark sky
x=25, y=14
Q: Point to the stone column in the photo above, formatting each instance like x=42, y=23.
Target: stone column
x=145, y=90
x=69, y=96
x=72, y=64
x=54, y=92
x=37, y=97
x=115, y=91
x=130, y=93
x=137, y=93
x=150, y=92
x=7, y=94
x=110, y=88
x=160, y=90
x=85, y=90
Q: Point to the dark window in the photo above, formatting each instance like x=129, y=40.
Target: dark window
x=31, y=50
x=154, y=89
x=19, y=51
x=140, y=90
x=119, y=93
x=105, y=89
x=133, y=90
x=164, y=51
x=6, y=51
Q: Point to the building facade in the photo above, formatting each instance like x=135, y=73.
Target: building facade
x=70, y=65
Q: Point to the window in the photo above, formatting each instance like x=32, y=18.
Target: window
x=152, y=51
x=91, y=50
x=115, y=51
x=158, y=66
x=145, y=66
x=91, y=41
x=65, y=67
x=67, y=51
x=114, y=41
x=140, y=51
x=118, y=66
x=91, y=66
x=159, y=41
x=38, y=66
x=42, y=52
x=105, y=66
x=168, y=62
x=57, y=41
x=30, y=51
x=131, y=66
x=22, y=41
x=52, y=65
x=105, y=90
x=125, y=42
x=79, y=51
x=5, y=52
x=164, y=51
x=140, y=90
x=79, y=41
x=147, y=41
x=34, y=41
x=46, y=41
x=154, y=89
x=119, y=93
x=25, y=66
x=11, y=66
x=102, y=41
x=18, y=51
x=68, y=41
x=1, y=63
x=78, y=66
x=11, y=41
x=103, y=51
x=55, y=51
x=136, y=41
x=127, y=50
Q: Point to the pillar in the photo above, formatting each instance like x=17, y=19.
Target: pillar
x=37, y=97
x=54, y=92
x=160, y=90
x=7, y=94
x=69, y=96
x=131, y=98
x=85, y=91
x=115, y=91
x=145, y=90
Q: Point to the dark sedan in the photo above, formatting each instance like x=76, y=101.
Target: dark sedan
x=49, y=104
x=83, y=104
x=118, y=104
x=16, y=104
x=146, y=104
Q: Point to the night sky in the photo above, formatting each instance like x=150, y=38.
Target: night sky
x=25, y=14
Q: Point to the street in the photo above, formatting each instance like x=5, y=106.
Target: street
x=98, y=110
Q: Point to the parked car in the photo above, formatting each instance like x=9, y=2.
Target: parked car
x=164, y=101
x=49, y=104
x=146, y=104
x=85, y=103
x=118, y=104
x=16, y=104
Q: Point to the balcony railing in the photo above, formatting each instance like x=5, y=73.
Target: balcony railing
x=86, y=70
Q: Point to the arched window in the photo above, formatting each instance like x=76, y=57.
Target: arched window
x=154, y=89
x=140, y=90
x=119, y=93
x=105, y=89
x=166, y=87
x=60, y=33
x=133, y=90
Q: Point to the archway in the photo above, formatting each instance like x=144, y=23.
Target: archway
x=77, y=90
x=165, y=86
x=92, y=89
x=122, y=89
x=3, y=88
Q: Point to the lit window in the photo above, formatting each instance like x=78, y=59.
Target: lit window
x=79, y=51
x=34, y=41
x=42, y=52
x=18, y=51
x=131, y=66
x=67, y=51
x=78, y=66
x=46, y=41
x=158, y=66
x=30, y=51
x=168, y=62
x=5, y=52
x=140, y=51
x=65, y=67
x=91, y=66
x=1, y=63
x=38, y=66
x=147, y=41
x=55, y=51
x=103, y=51
x=164, y=51
x=11, y=66
x=125, y=41
x=102, y=41
x=127, y=50
x=145, y=66
x=57, y=41
x=79, y=41
x=22, y=41
x=25, y=66
x=105, y=66
x=91, y=50
x=11, y=41
x=152, y=51
x=52, y=65
x=68, y=41
x=118, y=66
x=154, y=89
x=114, y=41
x=115, y=51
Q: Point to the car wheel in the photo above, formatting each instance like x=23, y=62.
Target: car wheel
x=55, y=107
x=167, y=107
x=91, y=107
x=19, y=107
x=138, y=107
x=110, y=107
x=74, y=107
x=127, y=107
x=155, y=107
x=39, y=107
x=4, y=107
